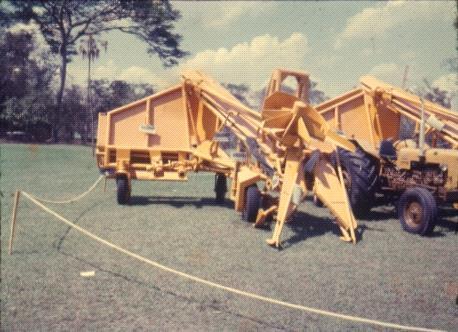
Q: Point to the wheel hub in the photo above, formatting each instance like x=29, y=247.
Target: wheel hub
x=413, y=214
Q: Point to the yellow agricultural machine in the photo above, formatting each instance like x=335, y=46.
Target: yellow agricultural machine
x=407, y=150
x=284, y=151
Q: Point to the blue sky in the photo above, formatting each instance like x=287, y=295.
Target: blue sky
x=335, y=41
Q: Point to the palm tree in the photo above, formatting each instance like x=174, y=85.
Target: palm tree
x=89, y=48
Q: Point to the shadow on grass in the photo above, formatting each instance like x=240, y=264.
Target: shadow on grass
x=81, y=215
x=447, y=221
x=64, y=235
x=179, y=201
x=380, y=215
x=444, y=219
x=306, y=226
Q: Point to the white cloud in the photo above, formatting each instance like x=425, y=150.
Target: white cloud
x=230, y=12
x=21, y=27
x=384, y=69
x=76, y=75
x=107, y=71
x=251, y=62
x=41, y=52
x=385, y=16
x=111, y=71
x=388, y=72
x=224, y=13
x=33, y=29
x=137, y=74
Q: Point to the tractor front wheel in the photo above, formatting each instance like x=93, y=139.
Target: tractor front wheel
x=417, y=211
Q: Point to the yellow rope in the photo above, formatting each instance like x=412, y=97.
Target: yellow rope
x=74, y=198
x=222, y=287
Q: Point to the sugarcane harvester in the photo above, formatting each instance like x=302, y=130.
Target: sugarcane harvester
x=283, y=151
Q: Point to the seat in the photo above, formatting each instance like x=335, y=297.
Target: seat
x=387, y=150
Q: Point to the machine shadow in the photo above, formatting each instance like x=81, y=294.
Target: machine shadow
x=447, y=222
x=305, y=226
x=179, y=201
x=379, y=215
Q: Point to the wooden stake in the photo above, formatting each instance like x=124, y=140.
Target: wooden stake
x=13, y=220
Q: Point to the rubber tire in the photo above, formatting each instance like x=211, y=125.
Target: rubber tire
x=429, y=213
x=123, y=190
x=252, y=203
x=220, y=188
x=363, y=172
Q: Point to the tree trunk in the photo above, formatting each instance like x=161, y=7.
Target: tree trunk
x=60, y=95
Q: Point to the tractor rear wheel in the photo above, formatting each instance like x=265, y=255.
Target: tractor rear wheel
x=360, y=173
x=123, y=190
x=220, y=188
x=252, y=203
x=417, y=211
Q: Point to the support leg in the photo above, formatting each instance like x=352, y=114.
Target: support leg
x=285, y=206
x=13, y=221
x=351, y=217
x=330, y=189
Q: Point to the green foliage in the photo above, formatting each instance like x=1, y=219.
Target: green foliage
x=435, y=94
x=63, y=23
x=76, y=114
x=25, y=81
x=106, y=95
x=255, y=99
x=316, y=96
x=240, y=91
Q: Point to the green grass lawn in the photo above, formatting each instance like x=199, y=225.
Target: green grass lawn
x=389, y=275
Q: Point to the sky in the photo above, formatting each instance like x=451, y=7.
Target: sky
x=337, y=42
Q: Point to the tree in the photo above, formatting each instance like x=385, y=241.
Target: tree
x=64, y=22
x=239, y=91
x=25, y=84
x=256, y=98
x=316, y=96
x=89, y=48
x=4, y=18
x=110, y=95
x=75, y=119
x=435, y=94
x=428, y=92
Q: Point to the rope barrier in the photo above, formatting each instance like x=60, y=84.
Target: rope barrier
x=214, y=284
x=74, y=199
